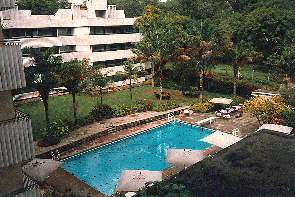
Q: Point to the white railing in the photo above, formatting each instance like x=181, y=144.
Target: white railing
x=171, y=117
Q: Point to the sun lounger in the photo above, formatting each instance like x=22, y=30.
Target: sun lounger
x=205, y=121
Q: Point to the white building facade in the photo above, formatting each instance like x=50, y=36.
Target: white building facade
x=90, y=29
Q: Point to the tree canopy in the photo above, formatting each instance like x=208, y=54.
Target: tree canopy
x=42, y=7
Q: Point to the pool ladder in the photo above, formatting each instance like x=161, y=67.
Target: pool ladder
x=55, y=155
x=171, y=117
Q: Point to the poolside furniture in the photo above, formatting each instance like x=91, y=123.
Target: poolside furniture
x=276, y=128
x=229, y=112
x=235, y=132
x=206, y=121
x=184, y=157
x=221, y=139
x=134, y=180
x=187, y=112
x=223, y=101
x=130, y=194
x=40, y=169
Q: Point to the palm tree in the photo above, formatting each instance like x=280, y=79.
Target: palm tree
x=131, y=69
x=43, y=75
x=71, y=75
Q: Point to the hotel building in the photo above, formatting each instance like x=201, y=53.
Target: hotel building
x=91, y=29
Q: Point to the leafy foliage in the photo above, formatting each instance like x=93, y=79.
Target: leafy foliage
x=133, y=8
x=202, y=107
x=132, y=70
x=101, y=112
x=266, y=110
x=42, y=76
x=71, y=75
x=53, y=134
x=42, y=7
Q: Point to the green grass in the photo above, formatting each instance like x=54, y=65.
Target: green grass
x=60, y=106
x=257, y=77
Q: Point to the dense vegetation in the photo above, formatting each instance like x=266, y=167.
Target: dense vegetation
x=261, y=165
x=42, y=7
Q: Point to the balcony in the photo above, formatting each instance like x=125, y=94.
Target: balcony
x=111, y=55
x=16, y=141
x=7, y=4
x=12, y=74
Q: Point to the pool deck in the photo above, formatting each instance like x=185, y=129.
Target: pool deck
x=102, y=128
x=64, y=182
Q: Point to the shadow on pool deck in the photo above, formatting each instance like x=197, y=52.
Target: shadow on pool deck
x=66, y=183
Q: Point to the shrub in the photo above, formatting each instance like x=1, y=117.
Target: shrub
x=289, y=118
x=101, y=112
x=54, y=133
x=192, y=92
x=266, y=110
x=121, y=110
x=165, y=95
x=202, y=107
x=163, y=189
x=289, y=95
x=164, y=106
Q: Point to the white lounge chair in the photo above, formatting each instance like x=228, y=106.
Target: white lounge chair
x=205, y=121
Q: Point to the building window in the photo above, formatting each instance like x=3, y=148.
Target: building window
x=99, y=64
x=127, y=29
x=26, y=52
x=65, y=31
x=67, y=49
x=97, y=30
x=46, y=32
x=99, y=48
x=100, y=13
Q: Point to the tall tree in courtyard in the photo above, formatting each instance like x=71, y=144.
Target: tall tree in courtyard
x=233, y=48
x=99, y=81
x=71, y=75
x=163, y=33
x=43, y=75
x=131, y=69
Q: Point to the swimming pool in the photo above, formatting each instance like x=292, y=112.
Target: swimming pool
x=101, y=168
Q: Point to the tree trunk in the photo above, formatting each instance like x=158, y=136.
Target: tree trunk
x=201, y=85
x=74, y=107
x=100, y=93
x=161, y=86
x=236, y=78
x=153, y=74
x=45, y=103
x=130, y=87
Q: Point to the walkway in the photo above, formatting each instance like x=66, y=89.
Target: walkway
x=102, y=128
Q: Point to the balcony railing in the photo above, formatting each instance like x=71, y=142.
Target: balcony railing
x=16, y=140
x=12, y=72
x=5, y=4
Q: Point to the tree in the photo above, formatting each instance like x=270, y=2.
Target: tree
x=199, y=55
x=133, y=8
x=266, y=110
x=231, y=46
x=100, y=81
x=163, y=33
x=42, y=7
x=132, y=70
x=71, y=75
x=43, y=75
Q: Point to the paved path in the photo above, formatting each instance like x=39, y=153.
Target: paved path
x=99, y=127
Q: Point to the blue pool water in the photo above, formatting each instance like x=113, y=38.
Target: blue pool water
x=101, y=168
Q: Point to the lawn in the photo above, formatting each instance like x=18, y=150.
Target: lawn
x=257, y=77
x=260, y=165
x=60, y=106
